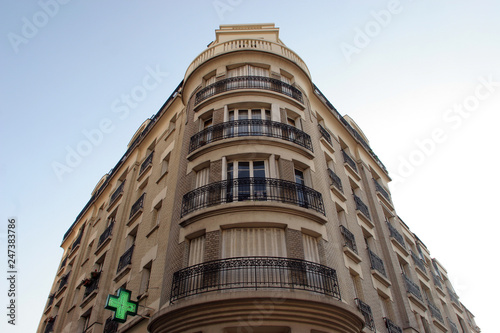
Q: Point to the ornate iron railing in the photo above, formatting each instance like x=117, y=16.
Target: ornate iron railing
x=137, y=206
x=437, y=282
x=397, y=236
x=248, y=82
x=349, y=239
x=348, y=159
x=382, y=190
x=376, y=263
x=91, y=286
x=110, y=326
x=412, y=287
x=106, y=234
x=63, y=263
x=419, y=262
x=125, y=259
x=453, y=296
x=325, y=134
x=255, y=273
x=77, y=240
x=391, y=327
x=252, y=189
x=250, y=127
x=117, y=192
x=453, y=326
x=435, y=312
x=366, y=311
x=146, y=163
x=50, y=325
x=361, y=206
x=335, y=180
x=51, y=300
x=63, y=281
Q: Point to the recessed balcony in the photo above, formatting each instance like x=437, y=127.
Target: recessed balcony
x=255, y=273
x=253, y=189
x=248, y=82
x=250, y=127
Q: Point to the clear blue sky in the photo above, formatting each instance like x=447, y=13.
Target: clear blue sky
x=419, y=77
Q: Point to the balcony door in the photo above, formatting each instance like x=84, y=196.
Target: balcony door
x=246, y=180
x=245, y=122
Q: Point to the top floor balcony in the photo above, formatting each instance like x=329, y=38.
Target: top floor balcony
x=248, y=82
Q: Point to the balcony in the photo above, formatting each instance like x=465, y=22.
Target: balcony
x=435, y=312
x=325, y=134
x=252, y=189
x=349, y=240
x=146, y=163
x=391, y=327
x=361, y=206
x=366, y=311
x=453, y=326
x=437, y=281
x=110, y=326
x=77, y=241
x=453, y=296
x=376, y=263
x=335, y=180
x=125, y=259
x=248, y=82
x=63, y=282
x=381, y=190
x=255, y=273
x=137, y=206
x=50, y=324
x=412, y=288
x=250, y=127
x=418, y=262
x=90, y=285
x=106, y=234
x=116, y=193
x=396, y=235
x=348, y=159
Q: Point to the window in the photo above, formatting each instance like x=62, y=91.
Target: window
x=246, y=242
x=246, y=180
x=358, y=289
x=196, y=250
x=248, y=70
x=155, y=221
x=310, y=244
x=146, y=274
x=84, y=321
x=248, y=121
x=164, y=164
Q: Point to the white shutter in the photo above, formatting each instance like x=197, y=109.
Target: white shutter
x=248, y=242
x=310, y=248
x=196, y=250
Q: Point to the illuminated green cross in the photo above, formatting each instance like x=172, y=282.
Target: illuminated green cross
x=122, y=305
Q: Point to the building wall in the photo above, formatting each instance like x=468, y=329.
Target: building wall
x=353, y=228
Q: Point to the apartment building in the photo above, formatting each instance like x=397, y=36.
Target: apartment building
x=248, y=203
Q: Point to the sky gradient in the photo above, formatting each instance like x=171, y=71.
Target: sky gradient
x=421, y=79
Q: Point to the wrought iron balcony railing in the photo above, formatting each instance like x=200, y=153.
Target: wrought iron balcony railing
x=437, y=282
x=255, y=273
x=106, y=234
x=412, y=287
x=125, y=259
x=248, y=82
x=349, y=240
x=382, y=190
x=453, y=296
x=63, y=263
x=348, y=159
x=419, y=262
x=366, y=311
x=63, y=281
x=91, y=286
x=361, y=206
x=252, y=189
x=325, y=134
x=116, y=193
x=376, y=263
x=77, y=240
x=391, y=327
x=335, y=180
x=110, y=326
x=453, y=326
x=50, y=325
x=250, y=127
x=435, y=312
x=396, y=235
x=51, y=300
x=137, y=206
x=148, y=161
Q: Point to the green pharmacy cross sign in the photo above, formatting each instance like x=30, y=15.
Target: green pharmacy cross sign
x=122, y=305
